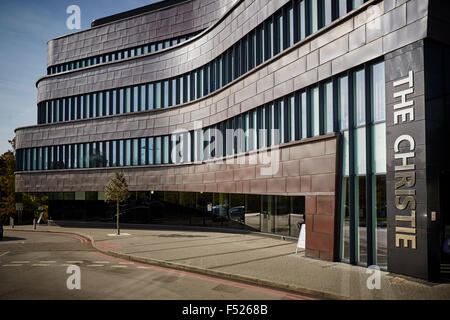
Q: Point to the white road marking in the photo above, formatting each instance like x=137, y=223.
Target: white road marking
x=4, y=253
x=73, y=262
x=47, y=261
x=126, y=263
x=40, y=265
x=143, y=267
x=65, y=265
x=118, y=235
x=12, y=265
x=20, y=261
x=119, y=266
x=101, y=262
x=95, y=265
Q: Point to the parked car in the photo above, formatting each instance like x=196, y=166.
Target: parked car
x=219, y=213
x=237, y=214
x=1, y=232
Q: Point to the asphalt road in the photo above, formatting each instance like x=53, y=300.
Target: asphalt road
x=33, y=265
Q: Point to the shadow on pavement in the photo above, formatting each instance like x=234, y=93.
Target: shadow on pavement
x=6, y=239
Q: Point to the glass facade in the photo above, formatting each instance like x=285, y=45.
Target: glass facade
x=268, y=213
x=352, y=103
x=119, y=55
x=280, y=31
x=361, y=110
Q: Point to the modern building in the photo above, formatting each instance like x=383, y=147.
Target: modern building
x=257, y=114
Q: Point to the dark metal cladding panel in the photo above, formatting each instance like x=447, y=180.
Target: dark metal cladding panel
x=404, y=256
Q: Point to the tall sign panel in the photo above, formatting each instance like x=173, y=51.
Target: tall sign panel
x=406, y=159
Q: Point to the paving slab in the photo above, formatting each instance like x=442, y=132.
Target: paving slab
x=251, y=257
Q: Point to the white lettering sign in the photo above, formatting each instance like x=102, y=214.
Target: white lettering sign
x=405, y=174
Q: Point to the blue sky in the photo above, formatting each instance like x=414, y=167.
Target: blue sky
x=25, y=27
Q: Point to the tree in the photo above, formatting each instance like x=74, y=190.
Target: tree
x=31, y=203
x=116, y=191
x=7, y=184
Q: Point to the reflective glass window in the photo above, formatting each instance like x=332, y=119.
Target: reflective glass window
x=359, y=98
x=87, y=106
x=328, y=107
x=55, y=110
x=143, y=151
x=33, y=159
x=357, y=3
x=107, y=153
x=314, y=108
x=127, y=100
x=100, y=106
x=379, y=148
x=151, y=155
x=166, y=94
x=120, y=101
x=174, y=91
x=360, y=151
x=135, y=152
x=114, y=153
x=151, y=99
x=94, y=110
x=378, y=92
x=157, y=95
x=136, y=98
x=360, y=219
x=157, y=150
x=127, y=152
x=292, y=121
x=342, y=8
x=86, y=156
x=45, y=158
x=142, y=102
x=290, y=26
x=302, y=20
x=379, y=212
x=314, y=16
x=327, y=12
x=343, y=102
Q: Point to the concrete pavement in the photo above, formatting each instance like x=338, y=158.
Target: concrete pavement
x=249, y=257
x=38, y=265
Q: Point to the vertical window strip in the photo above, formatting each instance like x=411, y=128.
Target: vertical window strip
x=277, y=33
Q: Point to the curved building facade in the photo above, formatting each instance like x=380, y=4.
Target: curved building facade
x=255, y=114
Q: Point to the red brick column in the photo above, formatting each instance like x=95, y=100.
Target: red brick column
x=320, y=227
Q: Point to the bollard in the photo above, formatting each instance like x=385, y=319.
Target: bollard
x=34, y=224
x=11, y=222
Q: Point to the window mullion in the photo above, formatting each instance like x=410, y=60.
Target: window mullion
x=352, y=213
